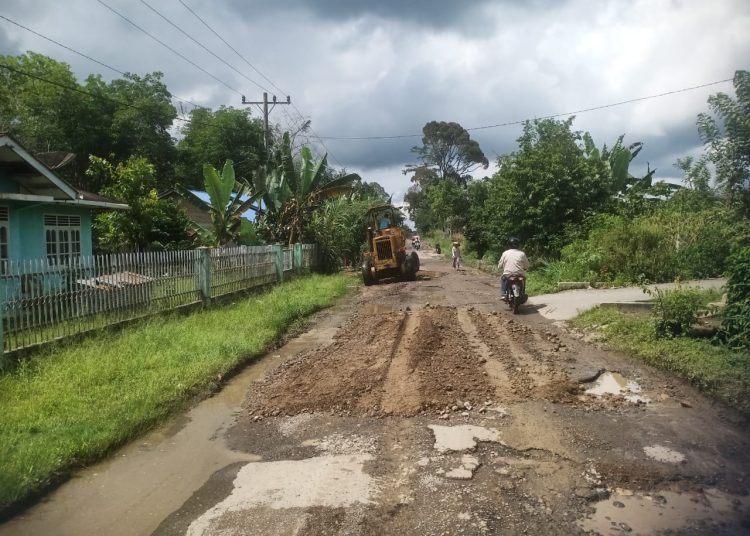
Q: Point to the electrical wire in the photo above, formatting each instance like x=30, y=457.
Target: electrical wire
x=74, y=51
x=204, y=47
x=509, y=123
x=253, y=67
x=162, y=43
x=301, y=116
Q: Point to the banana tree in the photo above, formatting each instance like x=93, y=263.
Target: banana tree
x=616, y=162
x=293, y=190
x=230, y=199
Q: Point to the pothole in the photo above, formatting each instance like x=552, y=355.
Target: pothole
x=667, y=510
x=661, y=453
x=328, y=481
x=460, y=438
x=615, y=384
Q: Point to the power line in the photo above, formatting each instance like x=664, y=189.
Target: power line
x=79, y=90
x=84, y=55
x=234, y=50
x=204, y=47
x=162, y=43
x=509, y=123
x=302, y=117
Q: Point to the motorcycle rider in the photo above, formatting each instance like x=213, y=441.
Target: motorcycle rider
x=512, y=261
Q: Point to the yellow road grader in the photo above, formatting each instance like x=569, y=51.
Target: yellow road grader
x=387, y=255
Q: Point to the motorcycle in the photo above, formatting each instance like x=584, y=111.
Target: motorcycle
x=516, y=285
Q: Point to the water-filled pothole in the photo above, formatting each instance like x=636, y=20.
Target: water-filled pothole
x=615, y=384
x=667, y=510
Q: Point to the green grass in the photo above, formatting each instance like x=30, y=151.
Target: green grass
x=715, y=370
x=73, y=404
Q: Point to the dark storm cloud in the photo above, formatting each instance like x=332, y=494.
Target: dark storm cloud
x=660, y=152
x=421, y=12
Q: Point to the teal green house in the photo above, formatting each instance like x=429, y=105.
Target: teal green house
x=42, y=217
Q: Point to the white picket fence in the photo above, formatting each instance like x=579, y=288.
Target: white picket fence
x=42, y=302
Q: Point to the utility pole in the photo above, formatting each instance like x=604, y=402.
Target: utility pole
x=265, y=111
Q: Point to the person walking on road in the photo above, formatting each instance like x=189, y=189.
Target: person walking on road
x=512, y=261
x=456, y=254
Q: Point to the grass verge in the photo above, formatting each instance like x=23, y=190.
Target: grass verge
x=715, y=370
x=71, y=405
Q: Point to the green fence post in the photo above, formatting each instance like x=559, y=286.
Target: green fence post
x=298, y=258
x=2, y=330
x=279, y=262
x=204, y=275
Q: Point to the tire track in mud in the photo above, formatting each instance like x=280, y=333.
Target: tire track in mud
x=495, y=369
x=531, y=375
x=347, y=376
x=401, y=389
x=449, y=368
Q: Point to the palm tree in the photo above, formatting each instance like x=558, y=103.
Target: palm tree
x=292, y=190
x=230, y=199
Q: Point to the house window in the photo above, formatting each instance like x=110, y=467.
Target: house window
x=3, y=240
x=63, y=237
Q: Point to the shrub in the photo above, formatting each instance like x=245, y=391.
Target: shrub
x=736, y=317
x=490, y=258
x=675, y=310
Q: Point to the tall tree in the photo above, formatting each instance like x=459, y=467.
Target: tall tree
x=370, y=190
x=447, y=151
x=47, y=109
x=213, y=137
x=109, y=129
x=31, y=109
x=725, y=133
x=545, y=190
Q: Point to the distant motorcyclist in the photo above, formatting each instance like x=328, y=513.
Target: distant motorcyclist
x=512, y=261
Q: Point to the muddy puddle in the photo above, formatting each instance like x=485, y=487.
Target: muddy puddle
x=142, y=483
x=615, y=384
x=631, y=513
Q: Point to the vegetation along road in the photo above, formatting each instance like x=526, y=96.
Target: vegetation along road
x=425, y=408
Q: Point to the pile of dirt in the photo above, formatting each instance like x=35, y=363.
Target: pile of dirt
x=387, y=363
x=449, y=370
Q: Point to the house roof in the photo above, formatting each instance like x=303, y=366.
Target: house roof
x=39, y=183
x=203, y=200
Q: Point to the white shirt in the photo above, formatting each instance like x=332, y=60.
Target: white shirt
x=513, y=261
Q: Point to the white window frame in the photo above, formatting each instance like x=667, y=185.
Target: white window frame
x=65, y=232
x=4, y=244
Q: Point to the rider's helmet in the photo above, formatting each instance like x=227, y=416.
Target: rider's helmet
x=514, y=242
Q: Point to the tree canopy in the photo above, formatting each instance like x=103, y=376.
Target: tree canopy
x=213, y=137
x=151, y=224
x=130, y=116
x=447, y=151
x=725, y=132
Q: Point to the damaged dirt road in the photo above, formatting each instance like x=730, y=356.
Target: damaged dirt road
x=431, y=410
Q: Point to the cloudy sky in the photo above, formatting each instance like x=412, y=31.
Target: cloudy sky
x=360, y=68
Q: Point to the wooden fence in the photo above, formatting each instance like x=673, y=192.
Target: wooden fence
x=42, y=302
